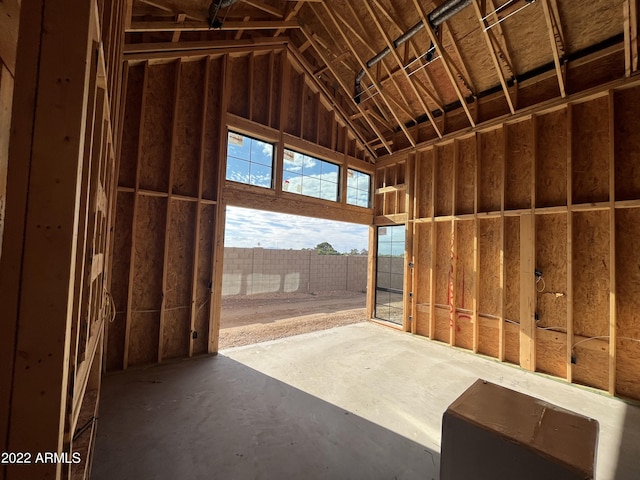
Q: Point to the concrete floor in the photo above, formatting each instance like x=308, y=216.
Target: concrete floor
x=355, y=402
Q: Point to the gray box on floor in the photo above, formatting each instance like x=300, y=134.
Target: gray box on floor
x=492, y=432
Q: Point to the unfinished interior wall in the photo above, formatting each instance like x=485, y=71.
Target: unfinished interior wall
x=54, y=269
x=9, y=23
x=558, y=191
x=172, y=192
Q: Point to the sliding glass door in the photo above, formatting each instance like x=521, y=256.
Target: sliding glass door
x=390, y=273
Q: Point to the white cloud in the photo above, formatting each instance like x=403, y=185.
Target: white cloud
x=252, y=228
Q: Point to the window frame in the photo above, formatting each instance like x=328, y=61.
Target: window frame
x=250, y=162
x=318, y=177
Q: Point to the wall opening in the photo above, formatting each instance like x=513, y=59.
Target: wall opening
x=285, y=274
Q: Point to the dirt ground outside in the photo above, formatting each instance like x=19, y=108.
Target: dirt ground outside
x=257, y=318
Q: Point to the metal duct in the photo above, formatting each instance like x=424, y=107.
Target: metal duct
x=437, y=17
x=214, y=8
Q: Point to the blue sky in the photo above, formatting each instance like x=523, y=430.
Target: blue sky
x=253, y=228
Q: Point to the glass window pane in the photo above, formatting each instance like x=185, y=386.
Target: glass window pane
x=311, y=186
x=260, y=175
x=329, y=191
x=237, y=170
x=238, y=146
x=361, y=182
x=330, y=172
x=261, y=152
x=292, y=161
x=249, y=160
x=291, y=182
x=311, y=166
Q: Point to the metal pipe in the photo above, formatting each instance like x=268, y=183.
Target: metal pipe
x=437, y=17
x=214, y=8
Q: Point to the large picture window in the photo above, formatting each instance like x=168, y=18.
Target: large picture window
x=358, y=188
x=249, y=160
x=310, y=176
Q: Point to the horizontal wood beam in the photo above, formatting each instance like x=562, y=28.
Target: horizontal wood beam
x=197, y=26
x=261, y=199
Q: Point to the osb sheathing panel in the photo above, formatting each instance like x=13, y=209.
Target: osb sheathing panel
x=131, y=126
x=309, y=113
x=120, y=283
x=276, y=96
x=186, y=159
x=512, y=343
x=443, y=262
x=589, y=23
x=239, y=100
x=147, y=280
x=423, y=262
x=551, y=162
x=465, y=282
x=424, y=185
x=465, y=273
x=591, y=264
x=491, y=166
x=260, y=92
x=512, y=269
x=443, y=322
x=179, y=272
x=204, y=277
x=488, y=335
x=627, y=144
x=551, y=259
x=628, y=302
x=465, y=176
x=212, y=128
x=519, y=165
x=445, y=163
x=489, y=293
x=422, y=290
x=551, y=352
x=590, y=151
x=293, y=118
x=155, y=155
x=591, y=362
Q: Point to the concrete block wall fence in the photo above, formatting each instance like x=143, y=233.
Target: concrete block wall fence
x=251, y=271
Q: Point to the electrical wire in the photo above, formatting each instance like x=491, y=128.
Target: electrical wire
x=544, y=285
x=603, y=336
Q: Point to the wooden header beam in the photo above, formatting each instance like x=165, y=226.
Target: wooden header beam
x=196, y=26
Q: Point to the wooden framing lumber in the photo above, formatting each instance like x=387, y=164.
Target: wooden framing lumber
x=555, y=36
x=195, y=26
x=494, y=57
x=445, y=61
x=527, y=293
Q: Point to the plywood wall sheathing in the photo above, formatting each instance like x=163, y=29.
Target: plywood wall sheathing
x=557, y=191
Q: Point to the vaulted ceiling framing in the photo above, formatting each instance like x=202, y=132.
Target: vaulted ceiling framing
x=484, y=62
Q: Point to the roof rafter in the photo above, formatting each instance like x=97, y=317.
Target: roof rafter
x=446, y=62
x=555, y=36
x=326, y=61
x=265, y=8
x=384, y=97
x=494, y=57
x=289, y=16
x=395, y=55
x=500, y=41
x=631, y=36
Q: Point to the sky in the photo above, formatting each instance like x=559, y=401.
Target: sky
x=254, y=228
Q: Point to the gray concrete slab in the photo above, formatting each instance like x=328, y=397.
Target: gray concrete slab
x=355, y=402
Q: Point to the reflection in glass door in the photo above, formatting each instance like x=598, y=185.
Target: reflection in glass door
x=390, y=273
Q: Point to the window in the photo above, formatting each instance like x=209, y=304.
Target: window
x=249, y=160
x=358, y=188
x=310, y=176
